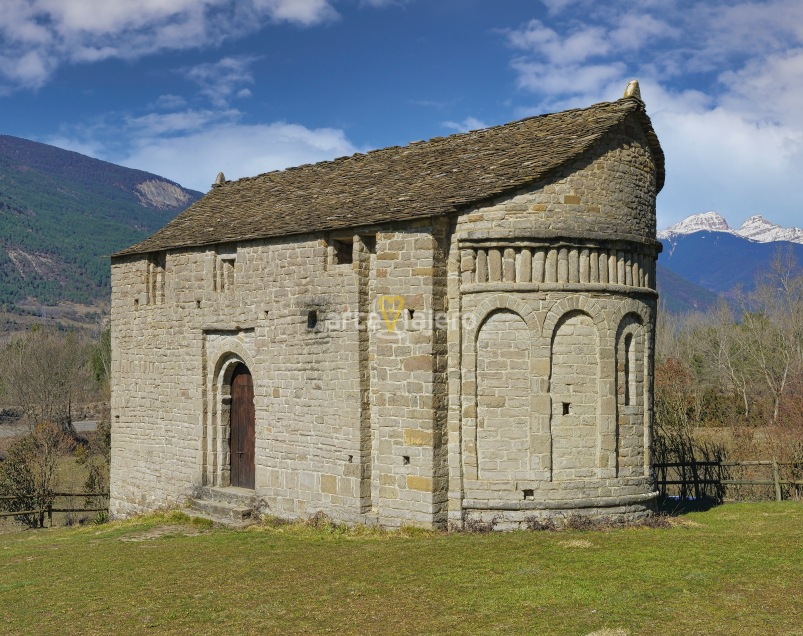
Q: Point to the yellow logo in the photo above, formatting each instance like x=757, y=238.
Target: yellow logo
x=391, y=308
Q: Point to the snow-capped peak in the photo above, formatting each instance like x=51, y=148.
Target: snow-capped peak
x=760, y=229
x=756, y=228
x=707, y=221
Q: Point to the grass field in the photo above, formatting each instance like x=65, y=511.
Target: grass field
x=736, y=569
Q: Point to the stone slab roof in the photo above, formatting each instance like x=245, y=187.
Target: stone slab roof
x=425, y=178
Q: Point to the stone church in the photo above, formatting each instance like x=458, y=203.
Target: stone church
x=460, y=328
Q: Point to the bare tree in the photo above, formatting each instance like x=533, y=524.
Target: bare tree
x=720, y=345
x=101, y=353
x=30, y=472
x=45, y=373
x=772, y=321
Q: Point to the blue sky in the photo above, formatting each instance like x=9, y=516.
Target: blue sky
x=187, y=88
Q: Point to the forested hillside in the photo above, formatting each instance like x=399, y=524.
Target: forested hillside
x=62, y=213
x=679, y=295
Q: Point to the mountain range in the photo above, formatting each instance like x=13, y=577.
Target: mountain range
x=705, y=251
x=62, y=213
x=756, y=228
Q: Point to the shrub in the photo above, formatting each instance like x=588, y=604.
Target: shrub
x=96, y=456
x=477, y=526
x=536, y=524
x=29, y=472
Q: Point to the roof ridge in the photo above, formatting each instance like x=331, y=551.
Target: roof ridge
x=437, y=138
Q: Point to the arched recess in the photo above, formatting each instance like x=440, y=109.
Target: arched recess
x=631, y=385
x=631, y=306
x=575, y=392
x=646, y=312
x=503, y=397
x=224, y=360
x=504, y=302
x=496, y=302
x=574, y=303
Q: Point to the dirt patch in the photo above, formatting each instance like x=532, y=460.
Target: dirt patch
x=577, y=543
x=161, y=531
x=609, y=632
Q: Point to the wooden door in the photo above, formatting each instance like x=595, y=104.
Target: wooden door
x=243, y=426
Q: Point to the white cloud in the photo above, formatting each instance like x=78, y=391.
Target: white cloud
x=237, y=150
x=770, y=88
x=192, y=146
x=570, y=79
x=219, y=80
x=37, y=36
x=169, y=102
x=469, y=123
x=382, y=3
x=720, y=159
x=576, y=46
x=736, y=146
x=154, y=124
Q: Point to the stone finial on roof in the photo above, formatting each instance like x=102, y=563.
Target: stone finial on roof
x=633, y=90
x=219, y=181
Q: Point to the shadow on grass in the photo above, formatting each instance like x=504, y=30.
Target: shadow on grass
x=675, y=506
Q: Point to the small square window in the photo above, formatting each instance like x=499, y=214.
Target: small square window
x=566, y=406
x=344, y=252
x=312, y=319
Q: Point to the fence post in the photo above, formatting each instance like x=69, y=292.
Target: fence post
x=696, y=478
x=776, y=479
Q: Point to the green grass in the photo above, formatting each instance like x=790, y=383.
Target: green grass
x=736, y=569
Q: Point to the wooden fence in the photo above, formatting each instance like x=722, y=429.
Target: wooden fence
x=46, y=508
x=695, y=479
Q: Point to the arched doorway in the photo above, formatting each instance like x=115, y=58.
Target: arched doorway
x=243, y=425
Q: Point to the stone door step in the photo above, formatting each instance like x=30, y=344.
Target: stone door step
x=221, y=509
x=230, y=495
x=224, y=521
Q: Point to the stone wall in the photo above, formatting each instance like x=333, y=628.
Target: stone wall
x=574, y=386
x=608, y=192
x=359, y=440
x=503, y=398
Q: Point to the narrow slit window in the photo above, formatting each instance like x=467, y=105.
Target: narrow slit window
x=628, y=369
x=224, y=272
x=155, y=278
x=312, y=319
x=566, y=407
